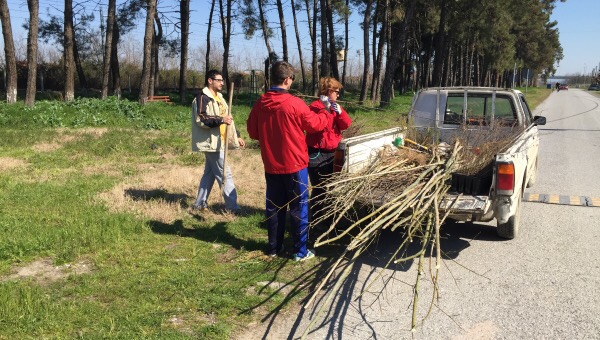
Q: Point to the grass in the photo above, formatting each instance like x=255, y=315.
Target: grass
x=95, y=194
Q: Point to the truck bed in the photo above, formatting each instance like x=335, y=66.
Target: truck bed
x=355, y=153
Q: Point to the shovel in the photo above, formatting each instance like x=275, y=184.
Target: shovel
x=226, y=143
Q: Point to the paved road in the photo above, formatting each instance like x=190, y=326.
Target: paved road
x=543, y=285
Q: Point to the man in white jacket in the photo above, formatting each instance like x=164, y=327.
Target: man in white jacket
x=210, y=119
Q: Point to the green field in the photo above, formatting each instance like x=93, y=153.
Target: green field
x=97, y=237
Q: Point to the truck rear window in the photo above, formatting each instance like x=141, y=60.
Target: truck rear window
x=479, y=110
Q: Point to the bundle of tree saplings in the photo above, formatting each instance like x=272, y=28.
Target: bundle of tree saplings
x=402, y=188
x=481, y=146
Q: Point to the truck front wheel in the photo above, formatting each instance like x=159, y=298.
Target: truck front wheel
x=510, y=229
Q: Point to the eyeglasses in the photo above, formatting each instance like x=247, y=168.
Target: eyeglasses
x=220, y=80
x=293, y=77
x=336, y=91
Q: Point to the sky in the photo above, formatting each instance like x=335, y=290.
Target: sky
x=578, y=24
x=579, y=27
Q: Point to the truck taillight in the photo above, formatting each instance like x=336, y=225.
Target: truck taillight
x=338, y=160
x=505, y=178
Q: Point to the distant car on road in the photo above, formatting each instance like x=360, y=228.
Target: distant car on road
x=564, y=86
x=594, y=87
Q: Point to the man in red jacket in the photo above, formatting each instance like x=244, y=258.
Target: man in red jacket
x=278, y=121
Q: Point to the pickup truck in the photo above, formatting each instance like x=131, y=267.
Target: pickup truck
x=496, y=191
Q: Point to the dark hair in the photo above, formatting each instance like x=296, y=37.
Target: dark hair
x=281, y=70
x=211, y=74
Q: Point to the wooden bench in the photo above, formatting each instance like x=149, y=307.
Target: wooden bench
x=154, y=99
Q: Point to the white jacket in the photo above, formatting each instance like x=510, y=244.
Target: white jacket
x=207, y=138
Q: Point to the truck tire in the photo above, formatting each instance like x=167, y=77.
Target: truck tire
x=533, y=177
x=510, y=229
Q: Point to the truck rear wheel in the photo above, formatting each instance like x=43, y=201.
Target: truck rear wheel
x=510, y=229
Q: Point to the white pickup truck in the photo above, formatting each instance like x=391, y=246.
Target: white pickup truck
x=496, y=191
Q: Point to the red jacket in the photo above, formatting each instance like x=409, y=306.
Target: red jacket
x=278, y=121
x=330, y=137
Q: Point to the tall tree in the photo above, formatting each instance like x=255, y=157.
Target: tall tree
x=366, y=46
x=154, y=66
x=9, y=54
x=208, y=31
x=382, y=10
x=69, y=57
x=83, y=37
x=346, y=40
x=114, y=62
x=332, y=43
x=266, y=34
x=399, y=34
x=147, y=61
x=184, y=13
x=312, y=28
x=325, y=70
x=283, y=30
x=110, y=24
x=226, y=27
x=299, y=42
x=438, y=61
x=32, y=48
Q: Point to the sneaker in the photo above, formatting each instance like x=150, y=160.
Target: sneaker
x=200, y=206
x=309, y=255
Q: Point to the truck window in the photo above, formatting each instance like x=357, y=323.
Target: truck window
x=454, y=108
x=505, y=112
x=528, y=114
x=479, y=110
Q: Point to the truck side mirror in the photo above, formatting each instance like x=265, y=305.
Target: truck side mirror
x=539, y=120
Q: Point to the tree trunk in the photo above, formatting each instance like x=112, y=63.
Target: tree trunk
x=147, y=61
x=265, y=30
x=397, y=42
x=154, y=73
x=312, y=27
x=114, y=63
x=184, y=12
x=283, y=30
x=325, y=71
x=110, y=24
x=438, y=62
x=9, y=54
x=374, y=47
x=298, y=41
x=378, y=64
x=78, y=67
x=226, y=26
x=366, y=53
x=346, y=39
x=208, y=30
x=69, y=56
x=332, y=48
x=32, y=47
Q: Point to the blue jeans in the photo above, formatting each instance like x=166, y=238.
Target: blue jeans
x=213, y=170
x=287, y=191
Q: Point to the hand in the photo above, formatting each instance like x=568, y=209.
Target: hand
x=242, y=143
x=337, y=108
x=227, y=120
x=325, y=101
